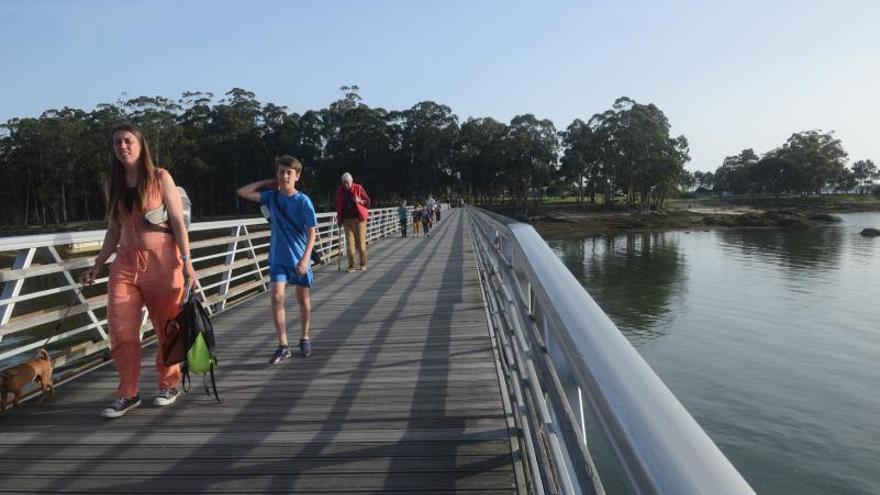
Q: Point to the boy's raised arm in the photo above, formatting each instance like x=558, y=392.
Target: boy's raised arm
x=251, y=191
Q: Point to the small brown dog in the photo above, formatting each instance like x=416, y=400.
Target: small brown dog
x=13, y=380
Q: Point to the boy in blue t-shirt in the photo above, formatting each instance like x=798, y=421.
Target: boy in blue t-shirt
x=293, y=228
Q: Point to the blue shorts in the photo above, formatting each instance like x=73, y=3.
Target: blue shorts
x=287, y=274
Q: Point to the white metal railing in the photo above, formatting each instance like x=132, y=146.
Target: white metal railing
x=40, y=279
x=563, y=358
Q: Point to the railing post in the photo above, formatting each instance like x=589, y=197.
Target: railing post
x=583, y=415
x=253, y=253
x=529, y=299
x=82, y=300
x=228, y=261
x=23, y=259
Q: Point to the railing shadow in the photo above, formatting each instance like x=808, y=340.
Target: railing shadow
x=275, y=474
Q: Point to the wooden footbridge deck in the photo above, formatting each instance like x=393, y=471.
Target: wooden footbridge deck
x=470, y=361
x=401, y=394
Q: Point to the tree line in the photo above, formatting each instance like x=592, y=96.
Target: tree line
x=53, y=165
x=808, y=163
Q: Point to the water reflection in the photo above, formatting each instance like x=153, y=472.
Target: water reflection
x=633, y=277
x=775, y=344
x=797, y=250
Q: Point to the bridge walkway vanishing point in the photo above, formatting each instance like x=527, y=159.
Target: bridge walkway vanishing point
x=401, y=393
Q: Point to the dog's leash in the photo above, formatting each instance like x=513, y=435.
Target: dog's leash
x=70, y=306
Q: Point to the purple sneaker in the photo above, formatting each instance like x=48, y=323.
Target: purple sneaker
x=282, y=353
x=305, y=348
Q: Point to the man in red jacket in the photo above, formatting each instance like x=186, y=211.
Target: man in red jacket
x=352, y=205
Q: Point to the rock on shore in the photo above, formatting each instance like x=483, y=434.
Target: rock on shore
x=776, y=218
x=571, y=223
x=869, y=232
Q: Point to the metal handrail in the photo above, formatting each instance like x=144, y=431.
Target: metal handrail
x=230, y=256
x=567, y=355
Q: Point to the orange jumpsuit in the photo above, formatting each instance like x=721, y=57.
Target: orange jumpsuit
x=147, y=270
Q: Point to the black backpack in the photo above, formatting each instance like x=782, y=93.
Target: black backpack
x=190, y=341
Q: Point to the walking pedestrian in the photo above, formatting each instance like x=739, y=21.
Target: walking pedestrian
x=352, y=212
x=293, y=232
x=417, y=220
x=404, y=216
x=149, y=268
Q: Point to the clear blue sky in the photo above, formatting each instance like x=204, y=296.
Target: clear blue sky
x=728, y=74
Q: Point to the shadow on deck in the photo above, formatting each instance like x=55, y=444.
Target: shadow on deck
x=400, y=394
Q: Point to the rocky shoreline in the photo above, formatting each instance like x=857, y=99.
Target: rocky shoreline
x=574, y=220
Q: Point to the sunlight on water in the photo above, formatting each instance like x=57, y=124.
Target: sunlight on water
x=770, y=339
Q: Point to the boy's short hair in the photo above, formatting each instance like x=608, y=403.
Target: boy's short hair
x=288, y=161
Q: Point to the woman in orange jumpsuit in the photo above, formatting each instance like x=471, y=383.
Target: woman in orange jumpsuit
x=149, y=268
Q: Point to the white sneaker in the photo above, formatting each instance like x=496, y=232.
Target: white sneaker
x=166, y=397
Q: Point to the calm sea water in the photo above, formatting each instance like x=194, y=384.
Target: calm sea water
x=771, y=339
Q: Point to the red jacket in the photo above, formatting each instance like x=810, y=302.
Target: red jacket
x=358, y=191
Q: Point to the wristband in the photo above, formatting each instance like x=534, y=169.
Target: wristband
x=184, y=257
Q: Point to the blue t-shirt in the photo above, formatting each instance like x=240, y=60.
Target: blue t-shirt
x=288, y=244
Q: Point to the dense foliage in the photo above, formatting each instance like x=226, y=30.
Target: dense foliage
x=810, y=162
x=52, y=166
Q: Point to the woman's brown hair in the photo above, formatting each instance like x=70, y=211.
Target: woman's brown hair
x=147, y=178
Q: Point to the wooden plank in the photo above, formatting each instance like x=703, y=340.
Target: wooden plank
x=254, y=465
x=225, y=482
x=291, y=423
x=488, y=448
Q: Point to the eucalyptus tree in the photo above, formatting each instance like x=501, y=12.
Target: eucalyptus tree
x=531, y=148
x=580, y=164
x=193, y=149
x=638, y=157
x=772, y=174
x=335, y=141
x=235, y=134
x=60, y=145
x=735, y=173
x=279, y=134
x=428, y=133
x=817, y=158
x=16, y=175
x=609, y=154
x=863, y=171
x=43, y=153
x=363, y=147
x=157, y=117
x=844, y=181
x=480, y=158
x=312, y=142
x=655, y=161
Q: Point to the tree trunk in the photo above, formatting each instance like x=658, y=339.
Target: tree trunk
x=27, y=198
x=64, y=201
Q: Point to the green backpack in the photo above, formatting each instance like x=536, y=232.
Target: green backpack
x=198, y=340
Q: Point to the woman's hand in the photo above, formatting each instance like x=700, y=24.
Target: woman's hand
x=88, y=277
x=190, y=274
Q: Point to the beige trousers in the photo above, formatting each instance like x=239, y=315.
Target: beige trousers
x=356, y=237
